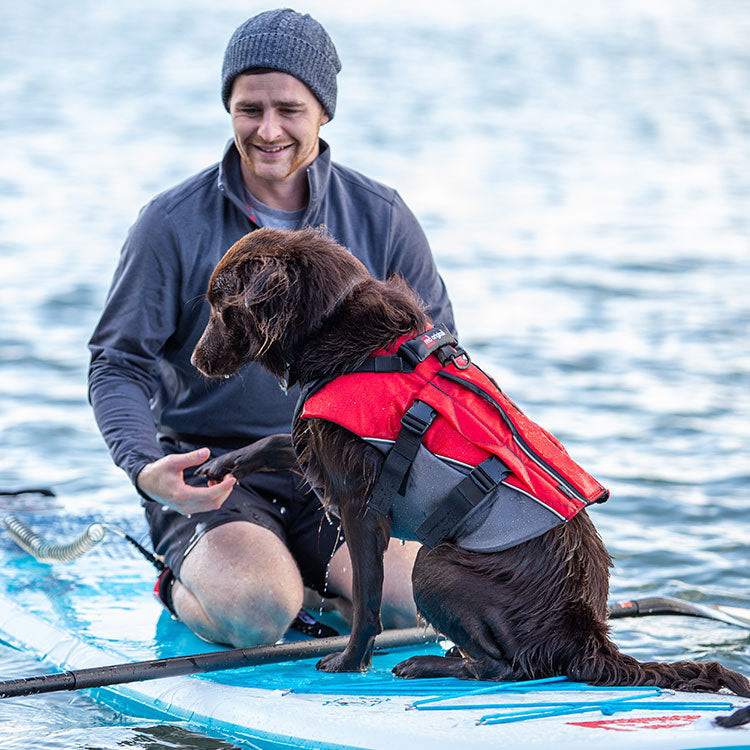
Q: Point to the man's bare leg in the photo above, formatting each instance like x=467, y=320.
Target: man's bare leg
x=398, y=609
x=239, y=586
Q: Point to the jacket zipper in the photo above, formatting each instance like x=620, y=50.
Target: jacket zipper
x=563, y=484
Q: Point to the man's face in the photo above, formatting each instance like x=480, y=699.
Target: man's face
x=276, y=120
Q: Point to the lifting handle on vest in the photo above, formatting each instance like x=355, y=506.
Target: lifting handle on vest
x=400, y=458
x=438, y=341
x=466, y=495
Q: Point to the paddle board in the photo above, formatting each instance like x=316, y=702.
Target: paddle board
x=99, y=611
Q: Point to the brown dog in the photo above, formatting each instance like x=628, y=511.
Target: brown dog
x=304, y=308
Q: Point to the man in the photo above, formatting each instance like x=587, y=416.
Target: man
x=241, y=554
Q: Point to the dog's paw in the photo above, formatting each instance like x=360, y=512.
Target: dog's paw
x=427, y=665
x=410, y=669
x=339, y=663
x=218, y=468
x=272, y=453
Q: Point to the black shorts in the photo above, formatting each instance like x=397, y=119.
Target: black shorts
x=278, y=501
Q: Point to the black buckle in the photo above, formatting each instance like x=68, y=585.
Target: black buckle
x=419, y=416
x=489, y=474
x=449, y=354
x=465, y=496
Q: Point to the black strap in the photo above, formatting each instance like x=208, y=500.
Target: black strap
x=466, y=495
x=385, y=363
x=230, y=443
x=399, y=460
x=438, y=341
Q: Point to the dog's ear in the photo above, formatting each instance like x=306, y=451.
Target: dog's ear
x=271, y=295
x=263, y=280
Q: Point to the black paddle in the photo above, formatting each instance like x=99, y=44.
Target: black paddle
x=215, y=661
x=663, y=605
x=246, y=657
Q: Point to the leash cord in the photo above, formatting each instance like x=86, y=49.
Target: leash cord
x=46, y=552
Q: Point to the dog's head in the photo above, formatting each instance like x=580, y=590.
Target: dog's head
x=270, y=292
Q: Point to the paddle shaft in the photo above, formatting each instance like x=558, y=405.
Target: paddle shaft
x=214, y=661
x=664, y=605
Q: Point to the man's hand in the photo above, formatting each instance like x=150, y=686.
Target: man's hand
x=163, y=482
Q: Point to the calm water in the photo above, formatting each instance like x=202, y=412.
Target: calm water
x=583, y=174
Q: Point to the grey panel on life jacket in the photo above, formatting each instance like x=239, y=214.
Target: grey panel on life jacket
x=513, y=518
x=506, y=517
x=429, y=483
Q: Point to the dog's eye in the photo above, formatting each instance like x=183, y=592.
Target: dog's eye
x=227, y=315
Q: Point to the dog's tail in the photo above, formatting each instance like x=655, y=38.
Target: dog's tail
x=610, y=667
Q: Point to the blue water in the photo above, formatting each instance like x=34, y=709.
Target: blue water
x=582, y=171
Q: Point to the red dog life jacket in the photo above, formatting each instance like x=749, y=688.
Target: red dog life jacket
x=463, y=463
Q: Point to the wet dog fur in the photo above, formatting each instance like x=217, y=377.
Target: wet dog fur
x=305, y=308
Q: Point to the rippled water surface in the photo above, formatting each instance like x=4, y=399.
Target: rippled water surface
x=582, y=171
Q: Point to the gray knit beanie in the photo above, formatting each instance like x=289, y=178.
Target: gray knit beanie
x=287, y=41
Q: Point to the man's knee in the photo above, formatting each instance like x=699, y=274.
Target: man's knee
x=240, y=585
x=255, y=612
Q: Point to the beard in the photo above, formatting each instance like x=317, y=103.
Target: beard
x=297, y=156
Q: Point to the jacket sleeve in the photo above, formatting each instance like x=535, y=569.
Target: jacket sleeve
x=139, y=316
x=411, y=257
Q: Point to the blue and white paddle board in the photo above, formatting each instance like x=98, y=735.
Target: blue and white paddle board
x=99, y=611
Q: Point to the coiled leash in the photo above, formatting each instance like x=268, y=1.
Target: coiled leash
x=46, y=552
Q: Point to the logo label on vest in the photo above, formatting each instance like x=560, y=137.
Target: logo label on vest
x=430, y=339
